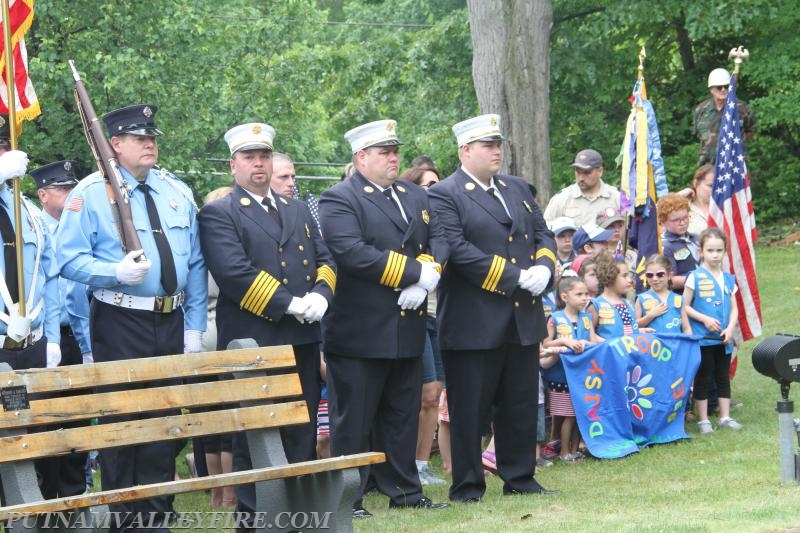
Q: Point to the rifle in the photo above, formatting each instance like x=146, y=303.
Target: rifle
x=108, y=166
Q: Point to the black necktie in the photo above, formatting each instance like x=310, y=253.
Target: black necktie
x=272, y=210
x=495, y=194
x=388, y=194
x=7, y=231
x=169, y=279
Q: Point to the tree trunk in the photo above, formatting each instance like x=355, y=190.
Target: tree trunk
x=511, y=73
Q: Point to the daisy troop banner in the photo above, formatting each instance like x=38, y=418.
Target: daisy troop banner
x=632, y=391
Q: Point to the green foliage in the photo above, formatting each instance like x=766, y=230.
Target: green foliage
x=316, y=68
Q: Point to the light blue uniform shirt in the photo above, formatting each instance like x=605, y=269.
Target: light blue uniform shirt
x=45, y=288
x=73, y=298
x=89, y=244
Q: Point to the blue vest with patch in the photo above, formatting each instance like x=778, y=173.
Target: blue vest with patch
x=609, y=323
x=564, y=330
x=669, y=322
x=714, y=301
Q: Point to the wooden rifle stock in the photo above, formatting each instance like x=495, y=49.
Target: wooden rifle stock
x=107, y=165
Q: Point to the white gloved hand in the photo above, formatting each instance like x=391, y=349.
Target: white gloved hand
x=88, y=358
x=428, y=276
x=192, y=341
x=412, y=297
x=18, y=327
x=297, y=308
x=525, y=280
x=540, y=277
x=129, y=272
x=13, y=164
x=53, y=354
x=317, y=305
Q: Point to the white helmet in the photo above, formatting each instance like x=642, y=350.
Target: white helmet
x=719, y=77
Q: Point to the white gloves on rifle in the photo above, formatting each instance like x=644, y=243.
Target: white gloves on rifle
x=412, y=297
x=428, y=276
x=129, y=272
x=19, y=327
x=316, y=307
x=192, y=341
x=53, y=354
x=13, y=164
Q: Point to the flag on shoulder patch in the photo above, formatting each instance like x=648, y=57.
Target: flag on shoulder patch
x=75, y=204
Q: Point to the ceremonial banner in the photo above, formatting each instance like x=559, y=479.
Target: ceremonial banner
x=631, y=392
x=27, y=103
x=731, y=209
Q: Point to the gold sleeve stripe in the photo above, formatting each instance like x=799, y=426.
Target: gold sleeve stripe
x=393, y=273
x=426, y=258
x=326, y=274
x=259, y=294
x=548, y=253
x=495, y=273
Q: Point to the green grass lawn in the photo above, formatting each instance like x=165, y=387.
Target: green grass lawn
x=727, y=481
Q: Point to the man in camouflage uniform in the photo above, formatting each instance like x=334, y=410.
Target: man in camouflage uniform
x=708, y=115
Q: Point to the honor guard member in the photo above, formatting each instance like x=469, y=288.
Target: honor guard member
x=64, y=475
x=140, y=307
x=502, y=258
x=275, y=276
x=389, y=249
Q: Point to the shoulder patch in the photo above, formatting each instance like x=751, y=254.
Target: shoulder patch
x=682, y=254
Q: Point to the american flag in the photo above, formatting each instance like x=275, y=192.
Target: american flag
x=312, y=203
x=26, y=101
x=731, y=210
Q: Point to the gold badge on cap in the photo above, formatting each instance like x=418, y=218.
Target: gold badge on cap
x=527, y=206
x=493, y=121
x=368, y=189
x=425, y=217
x=389, y=126
x=147, y=111
x=469, y=186
x=308, y=232
x=401, y=188
x=283, y=200
x=245, y=201
x=257, y=128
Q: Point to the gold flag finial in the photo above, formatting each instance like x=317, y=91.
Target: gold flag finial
x=738, y=55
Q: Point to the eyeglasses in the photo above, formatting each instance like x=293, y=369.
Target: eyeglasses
x=682, y=220
x=720, y=87
x=651, y=275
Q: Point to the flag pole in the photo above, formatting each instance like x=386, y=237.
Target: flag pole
x=629, y=214
x=8, y=53
x=738, y=55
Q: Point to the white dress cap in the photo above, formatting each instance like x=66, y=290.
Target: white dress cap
x=252, y=136
x=378, y=133
x=482, y=128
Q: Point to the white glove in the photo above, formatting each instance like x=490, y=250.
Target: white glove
x=53, y=354
x=412, y=297
x=13, y=164
x=129, y=272
x=88, y=358
x=18, y=327
x=428, y=277
x=297, y=308
x=192, y=341
x=540, y=277
x=524, y=280
x=317, y=305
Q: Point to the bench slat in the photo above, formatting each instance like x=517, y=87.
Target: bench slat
x=74, y=377
x=142, y=492
x=74, y=408
x=64, y=441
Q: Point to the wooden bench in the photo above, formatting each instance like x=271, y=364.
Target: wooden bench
x=253, y=401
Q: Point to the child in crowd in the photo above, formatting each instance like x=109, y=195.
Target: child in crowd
x=612, y=315
x=591, y=239
x=712, y=312
x=563, y=228
x=584, y=266
x=680, y=246
x=659, y=307
x=570, y=328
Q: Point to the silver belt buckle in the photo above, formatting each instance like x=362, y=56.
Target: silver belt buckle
x=118, y=296
x=163, y=304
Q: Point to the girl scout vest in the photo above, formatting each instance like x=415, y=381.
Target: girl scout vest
x=669, y=322
x=564, y=330
x=714, y=301
x=609, y=323
x=548, y=304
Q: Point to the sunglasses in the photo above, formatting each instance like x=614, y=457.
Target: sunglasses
x=651, y=275
x=721, y=87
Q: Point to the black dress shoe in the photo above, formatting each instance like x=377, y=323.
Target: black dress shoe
x=538, y=490
x=360, y=512
x=422, y=503
x=472, y=499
